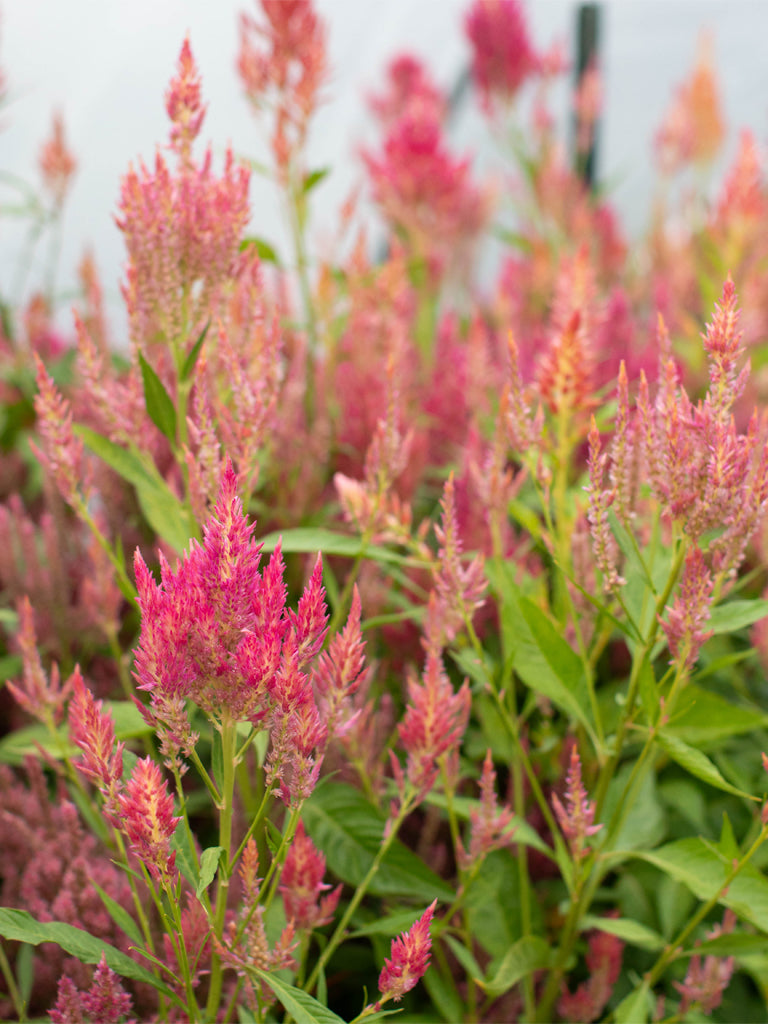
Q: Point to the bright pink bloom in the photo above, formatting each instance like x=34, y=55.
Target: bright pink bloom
x=62, y=453
x=57, y=163
x=93, y=731
x=502, y=54
x=301, y=884
x=106, y=1002
x=182, y=231
x=42, y=697
x=576, y=819
x=686, y=619
x=339, y=673
x=434, y=723
x=408, y=82
x=146, y=813
x=604, y=544
x=409, y=959
x=489, y=823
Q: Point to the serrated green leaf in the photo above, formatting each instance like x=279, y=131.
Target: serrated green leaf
x=303, y=1007
x=20, y=926
x=529, y=954
x=209, y=863
x=305, y=540
x=630, y=931
x=158, y=402
x=266, y=252
x=735, y=615
x=120, y=916
x=191, y=361
x=349, y=831
x=696, y=763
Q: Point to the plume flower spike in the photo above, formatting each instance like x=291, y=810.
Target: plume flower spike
x=604, y=543
x=686, y=619
x=409, y=960
x=146, y=810
x=41, y=696
x=576, y=818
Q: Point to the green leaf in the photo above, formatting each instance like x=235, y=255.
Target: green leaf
x=306, y=539
x=191, y=361
x=735, y=615
x=19, y=926
x=266, y=252
x=735, y=944
x=529, y=954
x=9, y=618
x=392, y=924
x=635, y=1008
x=209, y=862
x=703, y=869
x=313, y=179
x=696, y=763
x=465, y=957
x=158, y=402
x=524, y=834
x=120, y=916
x=701, y=717
x=300, y=1005
x=349, y=831
x=632, y=932
x=185, y=855
x=25, y=971
x=163, y=510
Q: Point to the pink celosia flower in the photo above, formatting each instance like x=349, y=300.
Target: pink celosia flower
x=146, y=815
x=692, y=130
x=489, y=823
x=686, y=619
x=106, y=1002
x=182, y=231
x=502, y=54
x=705, y=982
x=434, y=723
x=605, y=548
x=409, y=959
x=301, y=884
x=287, y=72
x=576, y=819
x=408, y=81
x=93, y=731
x=587, y=1003
x=40, y=696
x=339, y=673
x=57, y=163
x=62, y=453
x=458, y=589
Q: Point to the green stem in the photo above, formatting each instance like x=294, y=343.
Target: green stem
x=228, y=748
x=13, y=991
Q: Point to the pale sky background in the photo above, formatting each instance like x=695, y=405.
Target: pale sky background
x=105, y=64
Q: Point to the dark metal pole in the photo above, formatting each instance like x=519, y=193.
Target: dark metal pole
x=587, y=53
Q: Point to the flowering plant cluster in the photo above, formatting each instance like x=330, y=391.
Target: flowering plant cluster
x=377, y=637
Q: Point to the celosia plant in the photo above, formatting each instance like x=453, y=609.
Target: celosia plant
x=388, y=650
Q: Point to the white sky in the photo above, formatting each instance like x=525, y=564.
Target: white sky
x=106, y=64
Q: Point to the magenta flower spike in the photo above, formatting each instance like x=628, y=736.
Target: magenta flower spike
x=409, y=960
x=106, y=1002
x=41, y=696
x=686, y=619
x=576, y=818
x=93, y=731
x=489, y=823
x=301, y=884
x=502, y=54
x=339, y=673
x=146, y=813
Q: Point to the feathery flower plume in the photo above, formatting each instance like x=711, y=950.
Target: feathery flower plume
x=42, y=697
x=623, y=453
x=409, y=960
x=62, y=453
x=577, y=817
x=586, y=1004
x=408, y=82
x=93, y=731
x=722, y=344
x=434, y=723
x=686, y=619
x=693, y=129
x=146, y=814
x=705, y=982
x=57, y=163
x=489, y=823
x=502, y=54
x=340, y=672
x=182, y=231
x=106, y=1002
x=458, y=590
x=603, y=542
x=301, y=884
